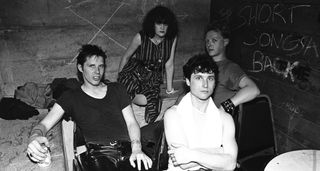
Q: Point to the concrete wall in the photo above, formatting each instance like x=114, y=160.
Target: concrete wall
x=39, y=39
x=279, y=47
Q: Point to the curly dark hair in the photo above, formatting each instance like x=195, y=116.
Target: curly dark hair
x=86, y=51
x=200, y=63
x=160, y=14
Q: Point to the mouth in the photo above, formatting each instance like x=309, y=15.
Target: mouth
x=210, y=49
x=96, y=78
x=205, y=91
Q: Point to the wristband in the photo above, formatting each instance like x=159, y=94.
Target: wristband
x=39, y=130
x=170, y=92
x=136, y=142
x=228, y=106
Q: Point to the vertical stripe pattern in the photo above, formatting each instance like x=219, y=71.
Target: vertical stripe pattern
x=154, y=58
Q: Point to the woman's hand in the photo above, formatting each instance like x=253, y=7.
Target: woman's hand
x=171, y=92
x=37, y=148
x=140, y=156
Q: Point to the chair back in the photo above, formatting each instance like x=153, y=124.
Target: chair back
x=256, y=130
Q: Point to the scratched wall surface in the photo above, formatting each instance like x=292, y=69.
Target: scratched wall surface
x=278, y=44
x=39, y=39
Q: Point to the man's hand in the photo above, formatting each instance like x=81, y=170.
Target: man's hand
x=140, y=156
x=37, y=148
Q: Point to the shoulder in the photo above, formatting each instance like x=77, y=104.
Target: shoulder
x=226, y=119
x=232, y=68
x=171, y=113
x=137, y=39
x=71, y=93
x=140, y=35
x=115, y=86
x=232, y=65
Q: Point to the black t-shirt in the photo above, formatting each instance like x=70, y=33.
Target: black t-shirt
x=100, y=120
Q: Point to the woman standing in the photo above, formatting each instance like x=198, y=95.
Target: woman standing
x=151, y=51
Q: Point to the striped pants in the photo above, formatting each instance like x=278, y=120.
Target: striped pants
x=150, y=88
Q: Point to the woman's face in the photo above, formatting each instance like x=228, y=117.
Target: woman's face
x=160, y=29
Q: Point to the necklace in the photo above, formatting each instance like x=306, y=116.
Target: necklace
x=157, y=41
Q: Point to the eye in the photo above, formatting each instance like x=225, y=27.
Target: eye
x=211, y=78
x=197, y=77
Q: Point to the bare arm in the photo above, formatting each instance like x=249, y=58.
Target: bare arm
x=170, y=66
x=173, y=132
x=37, y=137
x=223, y=159
x=134, y=134
x=248, y=91
x=174, y=135
x=135, y=43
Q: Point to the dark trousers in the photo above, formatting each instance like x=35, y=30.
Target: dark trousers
x=116, y=157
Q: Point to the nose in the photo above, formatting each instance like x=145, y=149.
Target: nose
x=162, y=26
x=97, y=70
x=205, y=83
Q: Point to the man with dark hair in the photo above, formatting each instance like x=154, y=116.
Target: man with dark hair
x=200, y=136
x=104, y=115
x=234, y=87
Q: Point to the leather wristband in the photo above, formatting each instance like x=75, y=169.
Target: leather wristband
x=228, y=106
x=39, y=130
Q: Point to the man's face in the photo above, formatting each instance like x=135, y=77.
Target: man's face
x=92, y=70
x=160, y=29
x=215, y=43
x=201, y=85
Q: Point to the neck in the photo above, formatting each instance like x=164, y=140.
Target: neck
x=96, y=91
x=199, y=104
x=219, y=58
x=157, y=39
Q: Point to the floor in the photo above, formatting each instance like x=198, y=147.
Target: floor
x=13, y=144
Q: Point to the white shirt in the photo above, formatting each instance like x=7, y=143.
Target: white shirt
x=197, y=129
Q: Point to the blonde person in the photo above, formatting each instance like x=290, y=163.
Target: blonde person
x=234, y=87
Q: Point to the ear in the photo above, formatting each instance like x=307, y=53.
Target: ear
x=226, y=41
x=188, y=82
x=80, y=68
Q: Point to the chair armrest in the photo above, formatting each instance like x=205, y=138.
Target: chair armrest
x=68, y=143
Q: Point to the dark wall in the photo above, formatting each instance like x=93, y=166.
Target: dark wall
x=278, y=45
x=39, y=39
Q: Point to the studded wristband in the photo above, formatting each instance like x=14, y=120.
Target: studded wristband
x=228, y=106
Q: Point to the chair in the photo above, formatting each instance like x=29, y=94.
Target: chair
x=153, y=143
x=73, y=144
x=255, y=134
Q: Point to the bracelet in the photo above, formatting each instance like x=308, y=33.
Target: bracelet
x=39, y=130
x=170, y=92
x=137, y=142
x=228, y=106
